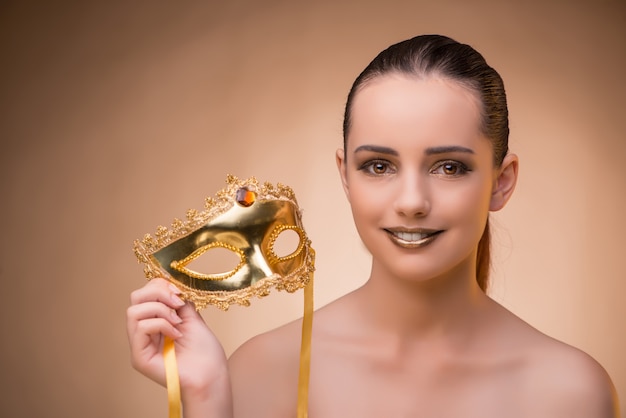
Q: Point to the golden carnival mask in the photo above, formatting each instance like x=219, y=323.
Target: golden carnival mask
x=247, y=219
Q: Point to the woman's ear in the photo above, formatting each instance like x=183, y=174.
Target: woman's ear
x=504, y=183
x=340, y=158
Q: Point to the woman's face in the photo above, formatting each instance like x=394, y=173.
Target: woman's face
x=419, y=175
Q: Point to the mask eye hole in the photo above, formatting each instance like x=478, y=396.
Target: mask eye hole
x=286, y=242
x=222, y=260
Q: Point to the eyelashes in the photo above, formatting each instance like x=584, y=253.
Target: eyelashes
x=444, y=168
x=377, y=167
x=450, y=168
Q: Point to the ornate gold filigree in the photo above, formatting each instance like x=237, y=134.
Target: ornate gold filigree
x=270, y=201
x=182, y=264
x=275, y=258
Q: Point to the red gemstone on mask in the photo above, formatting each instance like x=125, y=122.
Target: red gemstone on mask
x=245, y=197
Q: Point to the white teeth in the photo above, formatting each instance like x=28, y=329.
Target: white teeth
x=414, y=239
x=410, y=236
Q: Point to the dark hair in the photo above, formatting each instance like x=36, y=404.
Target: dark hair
x=441, y=56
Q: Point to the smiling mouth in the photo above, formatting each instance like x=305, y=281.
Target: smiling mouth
x=413, y=239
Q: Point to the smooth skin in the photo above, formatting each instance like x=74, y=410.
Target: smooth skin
x=419, y=339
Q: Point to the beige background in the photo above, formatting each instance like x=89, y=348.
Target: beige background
x=118, y=116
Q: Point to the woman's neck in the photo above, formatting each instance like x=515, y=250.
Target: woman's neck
x=437, y=306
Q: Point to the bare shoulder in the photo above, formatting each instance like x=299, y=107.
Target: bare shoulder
x=564, y=381
x=264, y=370
x=264, y=373
x=578, y=384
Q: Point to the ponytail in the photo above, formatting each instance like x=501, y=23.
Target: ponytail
x=483, y=262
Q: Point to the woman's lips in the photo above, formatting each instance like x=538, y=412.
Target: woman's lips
x=413, y=238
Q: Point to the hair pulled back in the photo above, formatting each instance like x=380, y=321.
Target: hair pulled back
x=436, y=55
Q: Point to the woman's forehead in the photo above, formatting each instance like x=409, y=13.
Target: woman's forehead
x=397, y=107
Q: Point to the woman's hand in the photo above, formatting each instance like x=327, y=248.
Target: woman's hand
x=157, y=311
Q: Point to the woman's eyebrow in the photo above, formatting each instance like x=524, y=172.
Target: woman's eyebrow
x=447, y=149
x=427, y=151
x=376, y=148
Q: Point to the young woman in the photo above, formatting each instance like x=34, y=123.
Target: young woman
x=425, y=160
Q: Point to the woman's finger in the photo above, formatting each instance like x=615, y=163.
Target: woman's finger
x=148, y=310
x=159, y=290
x=149, y=331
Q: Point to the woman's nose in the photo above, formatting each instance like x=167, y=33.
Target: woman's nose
x=412, y=197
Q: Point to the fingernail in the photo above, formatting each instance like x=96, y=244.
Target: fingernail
x=177, y=333
x=174, y=289
x=175, y=316
x=178, y=302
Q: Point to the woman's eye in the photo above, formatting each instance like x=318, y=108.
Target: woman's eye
x=377, y=167
x=450, y=168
